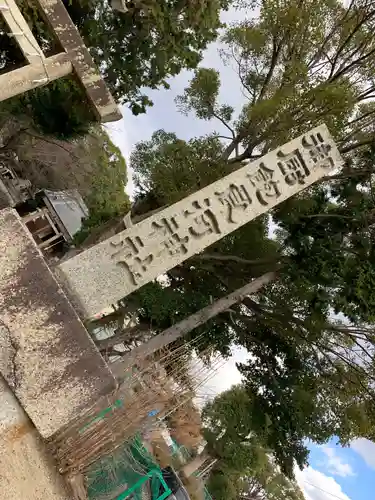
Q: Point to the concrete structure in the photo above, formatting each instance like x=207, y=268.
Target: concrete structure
x=46, y=354
x=116, y=267
x=17, y=25
x=74, y=58
x=27, y=471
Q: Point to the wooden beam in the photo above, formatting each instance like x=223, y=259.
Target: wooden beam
x=34, y=75
x=21, y=32
x=84, y=67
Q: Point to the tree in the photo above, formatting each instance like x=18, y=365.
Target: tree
x=153, y=41
x=138, y=49
x=167, y=168
x=299, y=63
x=309, y=335
x=221, y=487
x=181, y=329
x=106, y=198
x=269, y=484
x=229, y=432
x=234, y=435
x=319, y=362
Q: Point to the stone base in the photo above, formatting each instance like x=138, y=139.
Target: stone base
x=46, y=355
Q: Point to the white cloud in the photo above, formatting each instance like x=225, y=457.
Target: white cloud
x=366, y=449
x=225, y=377
x=335, y=464
x=125, y=133
x=317, y=486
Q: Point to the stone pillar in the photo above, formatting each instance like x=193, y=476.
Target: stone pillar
x=26, y=470
x=46, y=355
x=118, y=266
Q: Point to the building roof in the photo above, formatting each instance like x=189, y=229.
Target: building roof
x=69, y=207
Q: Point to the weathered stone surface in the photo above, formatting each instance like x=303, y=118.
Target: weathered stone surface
x=33, y=76
x=68, y=35
x=17, y=23
x=46, y=354
x=75, y=57
x=116, y=267
x=26, y=470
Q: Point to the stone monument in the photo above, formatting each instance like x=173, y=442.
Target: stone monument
x=120, y=265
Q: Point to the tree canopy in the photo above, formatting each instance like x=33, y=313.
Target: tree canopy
x=299, y=63
x=309, y=334
x=153, y=41
x=245, y=467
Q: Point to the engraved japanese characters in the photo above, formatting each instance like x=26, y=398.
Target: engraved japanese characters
x=116, y=267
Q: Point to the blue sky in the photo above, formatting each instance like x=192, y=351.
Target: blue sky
x=334, y=472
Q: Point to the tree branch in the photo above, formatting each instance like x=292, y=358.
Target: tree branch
x=276, y=49
x=366, y=94
x=346, y=42
x=235, y=258
x=351, y=65
x=232, y=147
x=218, y=117
x=188, y=324
x=123, y=335
x=357, y=145
x=321, y=51
x=224, y=137
x=318, y=216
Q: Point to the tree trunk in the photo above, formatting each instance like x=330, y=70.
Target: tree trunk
x=188, y=324
x=123, y=335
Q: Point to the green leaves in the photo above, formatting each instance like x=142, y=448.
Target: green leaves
x=202, y=94
x=243, y=450
x=299, y=64
x=106, y=197
x=148, y=44
x=172, y=168
x=221, y=487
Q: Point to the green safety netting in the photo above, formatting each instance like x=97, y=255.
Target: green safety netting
x=207, y=495
x=130, y=472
